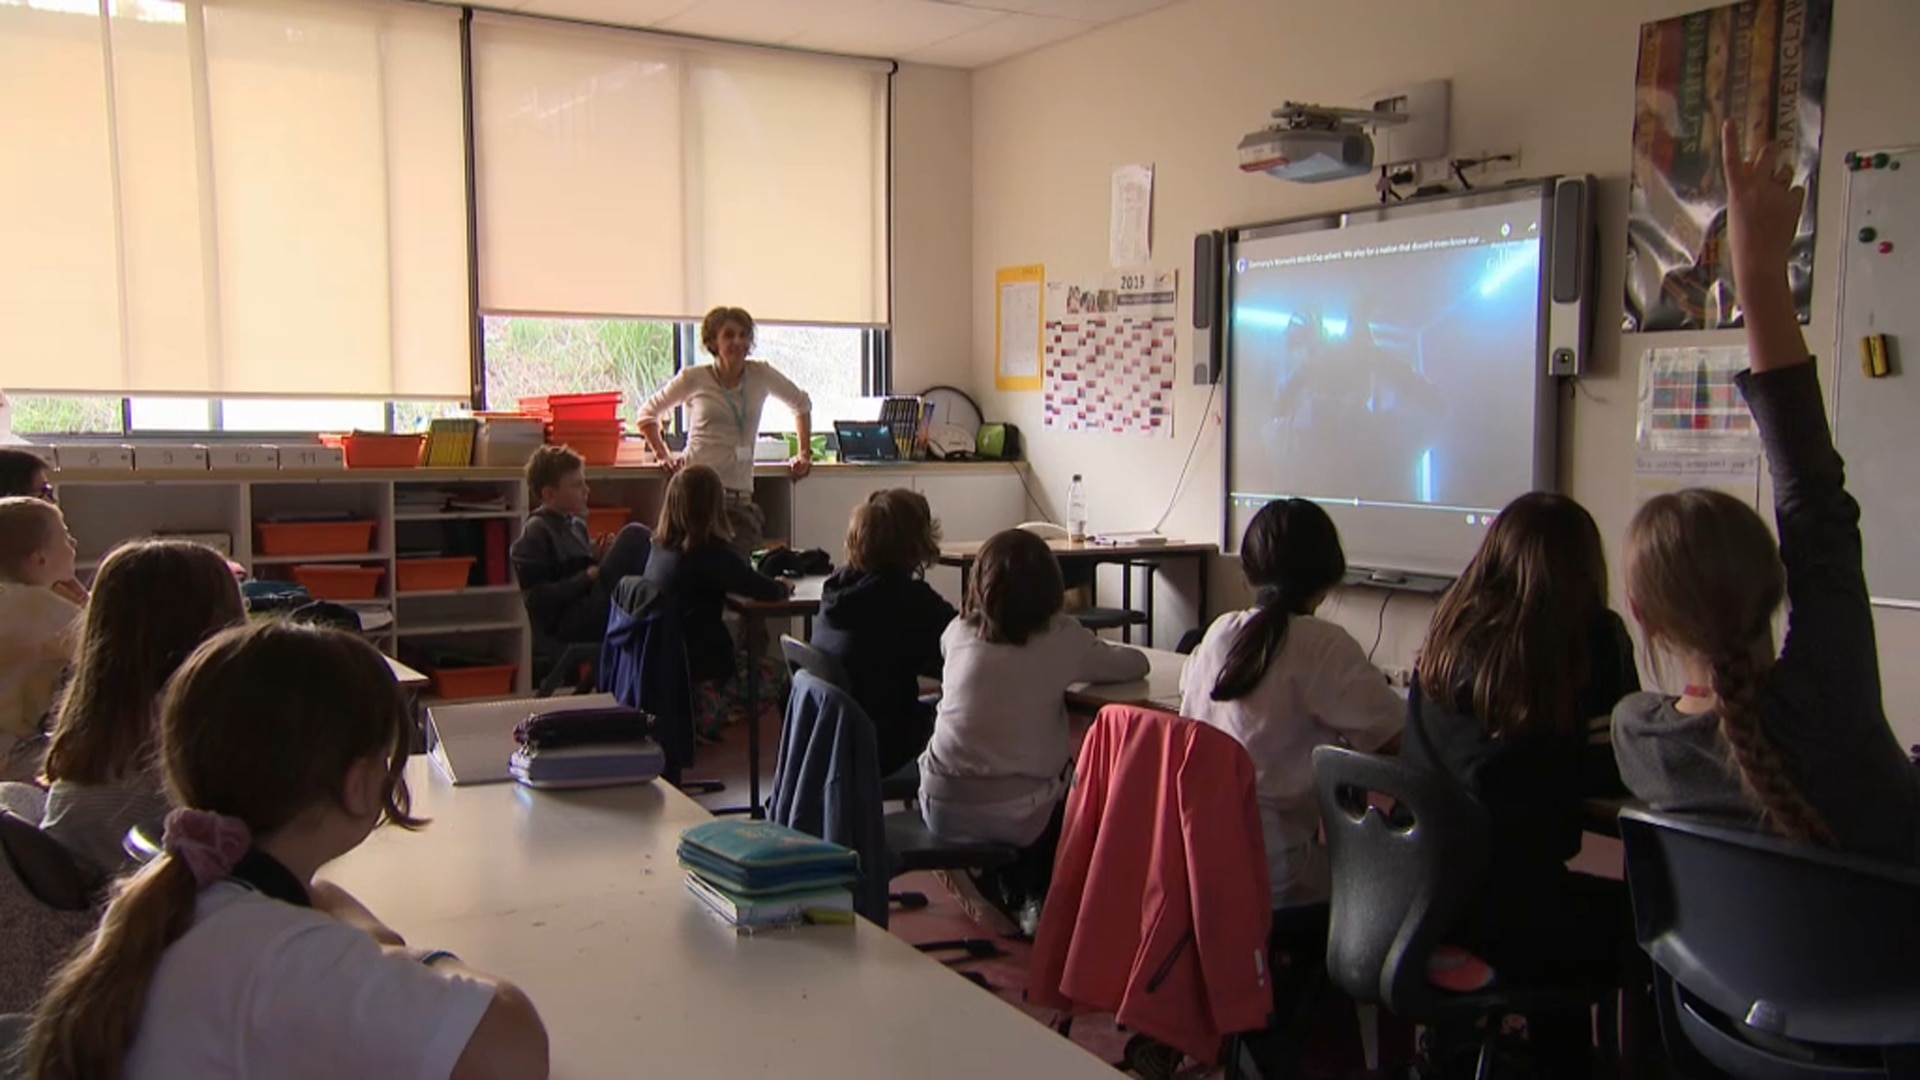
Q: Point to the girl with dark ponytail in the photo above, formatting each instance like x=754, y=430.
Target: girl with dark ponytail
x=1796, y=743
x=1282, y=682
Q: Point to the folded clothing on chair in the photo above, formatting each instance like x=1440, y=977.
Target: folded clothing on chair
x=758, y=857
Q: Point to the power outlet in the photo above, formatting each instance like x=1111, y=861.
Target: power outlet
x=1401, y=678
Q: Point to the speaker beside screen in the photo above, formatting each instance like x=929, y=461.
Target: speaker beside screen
x=1209, y=270
x=1570, y=270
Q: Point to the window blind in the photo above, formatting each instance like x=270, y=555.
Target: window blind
x=234, y=197
x=622, y=173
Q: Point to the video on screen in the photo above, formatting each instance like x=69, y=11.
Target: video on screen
x=1390, y=368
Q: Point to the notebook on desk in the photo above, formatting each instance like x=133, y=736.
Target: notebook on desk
x=473, y=743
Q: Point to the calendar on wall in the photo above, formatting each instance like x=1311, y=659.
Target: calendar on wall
x=1110, y=361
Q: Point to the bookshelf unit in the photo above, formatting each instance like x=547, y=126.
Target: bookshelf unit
x=107, y=508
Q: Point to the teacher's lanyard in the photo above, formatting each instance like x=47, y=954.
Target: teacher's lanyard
x=736, y=406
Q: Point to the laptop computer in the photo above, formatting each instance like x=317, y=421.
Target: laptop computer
x=865, y=441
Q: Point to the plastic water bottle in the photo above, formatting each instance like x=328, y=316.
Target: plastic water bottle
x=1077, y=510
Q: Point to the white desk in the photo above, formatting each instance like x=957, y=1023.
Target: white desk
x=1160, y=689
x=577, y=898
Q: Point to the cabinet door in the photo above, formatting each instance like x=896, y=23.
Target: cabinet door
x=823, y=502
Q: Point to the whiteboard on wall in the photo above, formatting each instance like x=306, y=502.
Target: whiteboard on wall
x=1877, y=420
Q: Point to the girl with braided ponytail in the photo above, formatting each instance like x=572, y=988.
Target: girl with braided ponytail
x=1283, y=682
x=1799, y=743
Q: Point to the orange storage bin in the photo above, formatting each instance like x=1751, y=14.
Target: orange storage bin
x=315, y=537
x=369, y=450
x=433, y=575
x=474, y=682
x=598, y=443
x=570, y=407
x=602, y=520
x=328, y=582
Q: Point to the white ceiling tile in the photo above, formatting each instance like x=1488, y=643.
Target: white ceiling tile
x=770, y=21
x=611, y=12
x=998, y=40
x=893, y=27
x=1093, y=11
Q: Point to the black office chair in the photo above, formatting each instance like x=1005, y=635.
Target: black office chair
x=901, y=786
x=1772, y=958
x=1401, y=882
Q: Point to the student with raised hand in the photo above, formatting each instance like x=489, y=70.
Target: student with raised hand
x=1282, y=682
x=1001, y=757
x=1502, y=688
x=154, y=602
x=1797, y=743
x=284, y=745
x=883, y=621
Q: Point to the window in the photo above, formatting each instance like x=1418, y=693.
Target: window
x=43, y=415
x=828, y=362
x=530, y=356
x=199, y=188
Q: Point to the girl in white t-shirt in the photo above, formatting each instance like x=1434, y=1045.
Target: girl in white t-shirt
x=223, y=957
x=1282, y=682
x=37, y=624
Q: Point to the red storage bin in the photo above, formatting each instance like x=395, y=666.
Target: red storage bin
x=474, y=682
x=315, y=537
x=602, y=520
x=569, y=407
x=327, y=582
x=433, y=575
x=370, y=450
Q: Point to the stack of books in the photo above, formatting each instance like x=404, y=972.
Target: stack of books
x=450, y=442
x=755, y=874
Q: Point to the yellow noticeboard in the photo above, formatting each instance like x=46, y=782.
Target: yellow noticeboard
x=1018, y=321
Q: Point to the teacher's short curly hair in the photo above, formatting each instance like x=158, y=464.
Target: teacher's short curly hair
x=717, y=320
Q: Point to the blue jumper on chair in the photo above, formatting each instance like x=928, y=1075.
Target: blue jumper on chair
x=643, y=664
x=826, y=782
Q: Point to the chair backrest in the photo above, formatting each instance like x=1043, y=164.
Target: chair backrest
x=643, y=664
x=826, y=782
x=1045, y=530
x=1402, y=878
x=818, y=663
x=1793, y=940
x=46, y=908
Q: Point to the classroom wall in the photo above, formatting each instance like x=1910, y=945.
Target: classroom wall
x=1180, y=86
x=932, y=226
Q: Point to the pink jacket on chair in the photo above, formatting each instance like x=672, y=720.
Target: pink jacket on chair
x=1160, y=904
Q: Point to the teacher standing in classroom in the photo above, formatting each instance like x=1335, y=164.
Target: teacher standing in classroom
x=723, y=401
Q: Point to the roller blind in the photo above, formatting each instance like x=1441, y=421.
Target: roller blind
x=628, y=174
x=233, y=197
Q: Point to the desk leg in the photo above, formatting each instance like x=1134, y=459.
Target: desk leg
x=1126, y=603
x=754, y=627
x=1201, y=567
x=1150, y=567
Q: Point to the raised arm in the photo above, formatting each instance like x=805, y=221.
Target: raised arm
x=1830, y=623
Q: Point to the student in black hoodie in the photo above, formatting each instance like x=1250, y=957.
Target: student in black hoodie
x=1521, y=655
x=566, y=577
x=883, y=621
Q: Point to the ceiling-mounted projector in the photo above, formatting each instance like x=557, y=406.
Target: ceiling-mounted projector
x=1311, y=144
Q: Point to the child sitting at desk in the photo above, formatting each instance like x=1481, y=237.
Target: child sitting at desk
x=566, y=577
x=694, y=569
x=1001, y=756
x=284, y=745
x=1798, y=742
x=1283, y=682
x=37, y=626
x=154, y=601
x=1518, y=656
x=883, y=621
